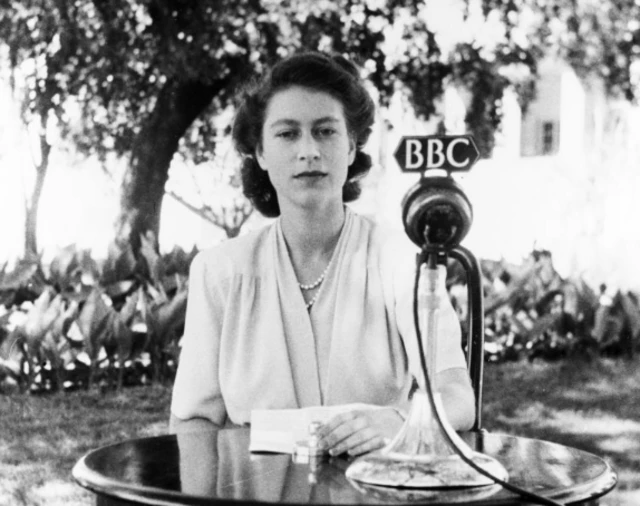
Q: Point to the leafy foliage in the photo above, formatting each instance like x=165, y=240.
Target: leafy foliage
x=532, y=312
x=598, y=37
x=85, y=324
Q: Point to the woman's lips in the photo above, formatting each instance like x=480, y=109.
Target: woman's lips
x=310, y=174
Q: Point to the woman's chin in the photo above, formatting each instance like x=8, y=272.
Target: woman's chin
x=316, y=202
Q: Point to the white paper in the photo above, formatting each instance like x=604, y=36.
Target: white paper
x=278, y=430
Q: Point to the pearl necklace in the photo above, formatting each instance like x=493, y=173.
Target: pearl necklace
x=313, y=285
x=317, y=281
x=312, y=301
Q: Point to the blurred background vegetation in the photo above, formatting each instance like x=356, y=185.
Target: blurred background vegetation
x=135, y=88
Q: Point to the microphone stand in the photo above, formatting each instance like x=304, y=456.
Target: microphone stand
x=427, y=452
x=475, y=325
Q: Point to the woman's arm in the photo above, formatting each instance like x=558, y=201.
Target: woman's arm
x=458, y=398
x=196, y=390
x=456, y=392
x=361, y=431
x=178, y=425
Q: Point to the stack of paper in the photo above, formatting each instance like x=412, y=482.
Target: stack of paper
x=278, y=430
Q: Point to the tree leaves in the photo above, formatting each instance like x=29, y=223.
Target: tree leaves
x=94, y=323
x=11, y=355
x=42, y=316
x=113, y=325
x=536, y=312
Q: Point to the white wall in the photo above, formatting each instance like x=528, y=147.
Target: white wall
x=546, y=107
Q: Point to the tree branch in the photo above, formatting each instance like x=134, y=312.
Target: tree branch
x=204, y=212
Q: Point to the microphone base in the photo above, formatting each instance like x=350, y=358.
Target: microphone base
x=421, y=457
x=424, y=471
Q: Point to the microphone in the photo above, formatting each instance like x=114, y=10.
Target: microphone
x=436, y=213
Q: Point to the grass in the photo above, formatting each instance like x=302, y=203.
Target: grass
x=593, y=406
x=42, y=437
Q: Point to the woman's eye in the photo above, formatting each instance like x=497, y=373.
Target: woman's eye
x=287, y=134
x=326, y=132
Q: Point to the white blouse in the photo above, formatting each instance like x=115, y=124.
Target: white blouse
x=250, y=343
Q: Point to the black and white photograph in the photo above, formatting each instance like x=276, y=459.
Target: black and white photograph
x=314, y=252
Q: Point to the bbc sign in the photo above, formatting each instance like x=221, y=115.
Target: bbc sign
x=418, y=153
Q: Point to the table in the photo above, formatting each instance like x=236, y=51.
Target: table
x=209, y=466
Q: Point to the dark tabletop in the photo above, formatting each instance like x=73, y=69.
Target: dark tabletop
x=203, y=467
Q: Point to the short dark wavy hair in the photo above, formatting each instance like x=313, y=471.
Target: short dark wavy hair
x=332, y=74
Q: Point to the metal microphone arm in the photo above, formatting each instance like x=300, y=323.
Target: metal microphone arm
x=475, y=325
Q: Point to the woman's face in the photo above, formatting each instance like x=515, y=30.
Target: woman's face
x=306, y=147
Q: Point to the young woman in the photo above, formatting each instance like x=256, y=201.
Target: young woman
x=314, y=309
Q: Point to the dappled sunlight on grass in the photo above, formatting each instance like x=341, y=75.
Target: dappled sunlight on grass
x=35, y=484
x=628, y=480
x=155, y=429
x=57, y=492
x=44, y=436
x=628, y=444
x=630, y=498
x=593, y=423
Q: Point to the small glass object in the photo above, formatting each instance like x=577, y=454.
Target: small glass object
x=307, y=450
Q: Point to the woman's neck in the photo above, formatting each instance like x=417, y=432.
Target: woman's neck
x=312, y=235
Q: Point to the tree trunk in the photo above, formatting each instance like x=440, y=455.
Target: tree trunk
x=33, y=204
x=177, y=106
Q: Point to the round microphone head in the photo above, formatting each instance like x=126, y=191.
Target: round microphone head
x=436, y=213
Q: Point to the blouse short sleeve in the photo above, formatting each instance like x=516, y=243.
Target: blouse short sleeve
x=196, y=391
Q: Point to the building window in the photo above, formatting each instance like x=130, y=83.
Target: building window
x=548, y=137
